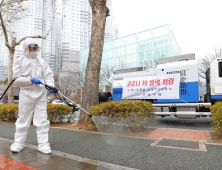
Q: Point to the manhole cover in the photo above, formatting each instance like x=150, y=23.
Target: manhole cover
x=178, y=144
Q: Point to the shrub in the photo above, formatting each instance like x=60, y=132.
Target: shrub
x=216, y=112
x=132, y=115
x=56, y=112
x=7, y=112
x=11, y=110
x=3, y=112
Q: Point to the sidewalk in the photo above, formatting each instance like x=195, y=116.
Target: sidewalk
x=164, y=149
x=31, y=159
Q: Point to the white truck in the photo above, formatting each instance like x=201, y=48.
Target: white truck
x=191, y=102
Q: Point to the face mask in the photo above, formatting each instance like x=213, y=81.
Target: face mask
x=33, y=54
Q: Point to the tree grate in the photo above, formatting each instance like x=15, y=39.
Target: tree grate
x=178, y=144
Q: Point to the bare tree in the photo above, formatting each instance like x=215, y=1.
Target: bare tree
x=79, y=78
x=106, y=71
x=105, y=74
x=79, y=75
x=10, y=12
x=90, y=97
x=66, y=84
x=204, y=62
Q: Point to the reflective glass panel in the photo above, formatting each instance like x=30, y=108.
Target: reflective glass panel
x=141, y=56
x=144, y=36
x=149, y=45
x=148, y=54
x=131, y=48
x=166, y=41
x=131, y=39
x=167, y=51
x=160, y=31
x=142, y=46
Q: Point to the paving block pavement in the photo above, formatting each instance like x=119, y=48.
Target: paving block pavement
x=179, y=134
x=10, y=164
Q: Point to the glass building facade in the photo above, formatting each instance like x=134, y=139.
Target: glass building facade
x=134, y=49
x=142, y=49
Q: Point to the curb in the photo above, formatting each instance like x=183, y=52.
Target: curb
x=213, y=144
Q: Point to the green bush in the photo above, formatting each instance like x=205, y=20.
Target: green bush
x=132, y=115
x=3, y=112
x=216, y=112
x=56, y=112
x=7, y=112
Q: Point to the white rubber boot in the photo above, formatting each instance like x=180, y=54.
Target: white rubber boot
x=44, y=148
x=17, y=147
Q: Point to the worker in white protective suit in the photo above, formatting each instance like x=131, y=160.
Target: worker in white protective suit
x=32, y=71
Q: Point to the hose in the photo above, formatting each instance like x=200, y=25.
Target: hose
x=7, y=88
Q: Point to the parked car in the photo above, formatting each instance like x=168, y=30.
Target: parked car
x=58, y=102
x=16, y=99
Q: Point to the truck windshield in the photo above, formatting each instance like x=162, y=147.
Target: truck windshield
x=220, y=69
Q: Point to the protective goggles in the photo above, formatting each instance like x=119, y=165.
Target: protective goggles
x=34, y=47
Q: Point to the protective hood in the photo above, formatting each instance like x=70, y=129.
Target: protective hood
x=26, y=43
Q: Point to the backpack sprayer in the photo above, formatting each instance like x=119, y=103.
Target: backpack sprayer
x=62, y=97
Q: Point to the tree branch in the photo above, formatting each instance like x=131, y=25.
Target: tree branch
x=5, y=32
x=1, y=3
x=205, y=61
x=8, y=22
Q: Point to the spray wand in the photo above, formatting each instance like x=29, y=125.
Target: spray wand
x=64, y=98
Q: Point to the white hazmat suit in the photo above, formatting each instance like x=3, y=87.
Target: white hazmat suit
x=32, y=98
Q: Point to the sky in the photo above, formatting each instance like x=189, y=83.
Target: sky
x=196, y=24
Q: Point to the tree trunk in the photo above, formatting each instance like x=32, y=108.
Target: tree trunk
x=10, y=76
x=91, y=88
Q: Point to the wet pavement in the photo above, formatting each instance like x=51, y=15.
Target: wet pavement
x=32, y=159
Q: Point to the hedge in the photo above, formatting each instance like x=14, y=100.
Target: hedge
x=8, y=112
x=56, y=112
x=132, y=115
x=216, y=112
